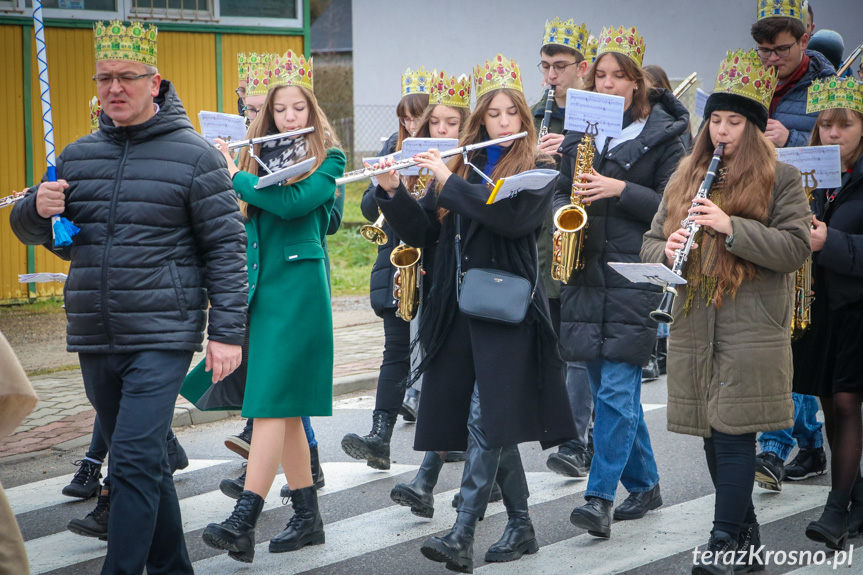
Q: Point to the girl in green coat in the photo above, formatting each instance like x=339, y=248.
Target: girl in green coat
x=290, y=349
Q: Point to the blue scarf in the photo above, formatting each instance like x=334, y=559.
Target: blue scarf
x=493, y=154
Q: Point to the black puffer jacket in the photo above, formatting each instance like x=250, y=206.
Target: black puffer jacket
x=381, y=280
x=603, y=315
x=161, y=233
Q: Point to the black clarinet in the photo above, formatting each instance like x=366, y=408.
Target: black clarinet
x=662, y=314
x=546, y=118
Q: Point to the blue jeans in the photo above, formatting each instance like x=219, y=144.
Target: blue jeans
x=620, y=439
x=134, y=396
x=806, y=430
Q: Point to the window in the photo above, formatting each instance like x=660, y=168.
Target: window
x=259, y=8
x=80, y=9
x=172, y=9
x=101, y=5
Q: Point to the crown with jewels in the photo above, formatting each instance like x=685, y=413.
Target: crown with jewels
x=450, y=91
x=566, y=34
x=417, y=82
x=95, y=110
x=626, y=41
x=258, y=74
x=290, y=69
x=743, y=74
x=498, y=73
x=590, y=50
x=796, y=9
x=835, y=92
x=242, y=65
x=135, y=42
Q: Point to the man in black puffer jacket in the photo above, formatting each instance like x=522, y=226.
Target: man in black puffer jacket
x=161, y=235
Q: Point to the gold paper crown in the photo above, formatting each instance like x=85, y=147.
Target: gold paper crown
x=418, y=82
x=835, y=92
x=501, y=72
x=135, y=42
x=258, y=75
x=242, y=65
x=450, y=91
x=566, y=34
x=95, y=110
x=290, y=69
x=796, y=9
x=743, y=74
x=626, y=41
x=590, y=50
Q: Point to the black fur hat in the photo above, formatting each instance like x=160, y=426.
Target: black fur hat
x=746, y=107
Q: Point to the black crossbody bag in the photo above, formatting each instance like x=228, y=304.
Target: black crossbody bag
x=491, y=295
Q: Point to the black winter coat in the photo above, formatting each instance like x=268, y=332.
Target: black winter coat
x=161, y=234
x=839, y=265
x=603, y=315
x=381, y=280
x=520, y=376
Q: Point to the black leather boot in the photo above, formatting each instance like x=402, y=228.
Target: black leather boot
x=456, y=547
x=518, y=537
x=95, y=523
x=177, y=457
x=638, y=504
x=85, y=483
x=493, y=497
x=661, y=353
x=418, y=493
x=595, y=516
x=317, y=470
x=374, y=447
x=233, y=488
x=236, y=534
x=748, y=543
x=718, y=558
x=410, y=405
x=855, y=512
x=832, y=527
x=305, y=527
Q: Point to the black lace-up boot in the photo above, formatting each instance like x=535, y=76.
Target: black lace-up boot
x=236, y=534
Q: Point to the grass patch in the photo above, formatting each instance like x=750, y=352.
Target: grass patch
x=50, y=370
x=353, y=197
x=44, y=306
x=351, y=260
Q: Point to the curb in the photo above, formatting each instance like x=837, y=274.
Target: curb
x=188, y=414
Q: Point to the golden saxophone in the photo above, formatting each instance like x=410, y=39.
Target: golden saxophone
x=408, y=262
x=570, y=222
x=803, y=298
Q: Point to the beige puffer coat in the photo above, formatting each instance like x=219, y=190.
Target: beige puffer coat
x=730, y=369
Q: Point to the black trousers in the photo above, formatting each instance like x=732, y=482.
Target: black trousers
x=731, y=462
x=396, y=363
x=134, y=396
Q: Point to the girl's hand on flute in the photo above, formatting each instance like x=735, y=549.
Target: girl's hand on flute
x=676, y=241
x=389, y=181
x=222, y=146
x=432, y=161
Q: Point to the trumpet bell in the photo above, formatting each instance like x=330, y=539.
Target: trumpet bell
x=374, y=234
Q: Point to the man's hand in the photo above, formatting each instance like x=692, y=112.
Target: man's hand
x=50, y=199
x=550, y=144
x=222, y=359
x=776, y=133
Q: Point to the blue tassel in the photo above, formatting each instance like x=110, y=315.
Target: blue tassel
x=63, y=232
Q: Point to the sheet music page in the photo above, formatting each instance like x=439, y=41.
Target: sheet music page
x=41, y=278
x=414, y=146
x=656, y=274
x=824, y=160
x=286, y=173
x=700, y=101
x=228, y=127
x=583, y=107
x=530, y=180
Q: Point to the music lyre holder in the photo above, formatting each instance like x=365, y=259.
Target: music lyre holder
x=271, y=177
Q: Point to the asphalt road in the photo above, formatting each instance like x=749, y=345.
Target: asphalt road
x=367, y=533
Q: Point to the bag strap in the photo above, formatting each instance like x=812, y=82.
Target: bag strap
x=458, y=274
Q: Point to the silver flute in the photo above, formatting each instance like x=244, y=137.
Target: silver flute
x=9, y=200
x=364, y=173
x=662, y=314
x=262, y=139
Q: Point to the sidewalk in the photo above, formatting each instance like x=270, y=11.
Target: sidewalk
x=63, y=418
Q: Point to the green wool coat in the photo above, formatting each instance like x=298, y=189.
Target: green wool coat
x=730, y=369
x=290, y=363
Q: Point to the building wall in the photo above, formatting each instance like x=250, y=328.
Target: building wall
x=682, y=36
x=189, y=59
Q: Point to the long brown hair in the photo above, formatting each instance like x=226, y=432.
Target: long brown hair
x=319, y=141
x=747, y=187
x=522, y=154
x=831, y=117
x=412, y=105
x=640, y=105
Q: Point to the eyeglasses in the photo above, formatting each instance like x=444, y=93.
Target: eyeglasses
x=559, y=67
x=780, y=51
x=250, y=112
x=241, y=92
x=124, y=79
x=406, y=121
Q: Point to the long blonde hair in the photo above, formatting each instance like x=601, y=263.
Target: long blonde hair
x=319, y=141
x=747, y=187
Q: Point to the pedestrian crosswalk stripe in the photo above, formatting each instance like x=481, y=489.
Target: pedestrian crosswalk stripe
x=65, y=548
x=47, y=493
x=390, y=525
x=658, y=535
x=651, y=406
